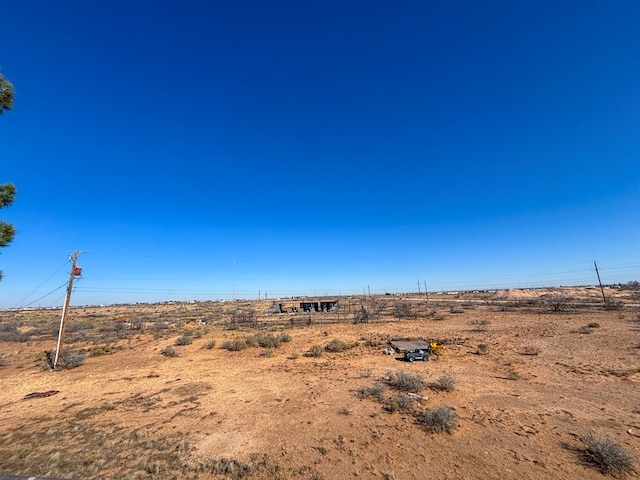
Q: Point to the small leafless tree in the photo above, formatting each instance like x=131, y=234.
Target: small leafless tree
x=402, y=310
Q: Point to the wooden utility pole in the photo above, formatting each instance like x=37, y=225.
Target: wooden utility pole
x=426, y=292
x=419, y=292
x=604, y=299
x=75, y=271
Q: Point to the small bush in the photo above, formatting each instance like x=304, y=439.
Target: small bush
x=530, y=350
x=337, y=346
x=375, y=391
x=439, y=419
x=169, y=352
x=401, y=402
x=183, y=340
x=607, y=455
x=262, y=340
x=483, y=349
x=293, y=356
x=479, y=325
x=285, y=337
x=71, y=359
x=234, y=345
x=209, y=344
x=314, y=351
x=407, y=382
x=268, y=353
x=447, y=382
x=3, y=362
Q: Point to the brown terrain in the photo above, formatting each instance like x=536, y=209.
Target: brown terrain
x=553, y=366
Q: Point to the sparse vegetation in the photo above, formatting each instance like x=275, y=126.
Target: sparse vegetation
x=169, y=352
x=438, y=419
x=285, y=337
x=209, y=344
x=336, y=346
x=607, y=455
x=234, y=345
x=71, y=359
x=402, y=309
x=479, y=325
x=483, y=349
x=446, y=382
x=183, y=340
x=530, y=350
x=314, y=351
x=406, y=382
x=376, y=391
x=401, y=402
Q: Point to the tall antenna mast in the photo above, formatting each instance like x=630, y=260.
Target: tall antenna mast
x=75, y=271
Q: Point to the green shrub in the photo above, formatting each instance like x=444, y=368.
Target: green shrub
x=209, y=344
x=483, y=349
x=607, y=455
x=439, y=419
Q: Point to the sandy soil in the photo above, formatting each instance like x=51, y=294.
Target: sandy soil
x=134, y=413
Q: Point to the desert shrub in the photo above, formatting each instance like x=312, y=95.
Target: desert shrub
x=613, y=305
x=268, y=353
x=375, y=391
x=293, y=356
x=585, y=329
x=267, y=340
x=169, y=352
x=336, y=346
x=3, y=362
x=285, y=337
x=209, y=344
x=71, y=359
x=438, y=317
x=402, y=310
x=607, y=455
x=234, y=345
x=400, y=401
x=557, y=302
x=479, y=325
x=446, y=382
x=344, y=411
x=314, y=351
x=438, y=419
x=183, y=340
x=483, y=349
x=530, y=350
x=407, y=382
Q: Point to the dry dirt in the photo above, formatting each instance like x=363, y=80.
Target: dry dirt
x=130, y=412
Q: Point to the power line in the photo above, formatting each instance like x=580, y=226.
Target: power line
x=45, y=296
x=45, y=281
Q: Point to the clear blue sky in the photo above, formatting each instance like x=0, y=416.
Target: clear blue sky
x=210, y=149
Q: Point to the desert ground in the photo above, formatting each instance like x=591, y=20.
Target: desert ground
x=169, y=391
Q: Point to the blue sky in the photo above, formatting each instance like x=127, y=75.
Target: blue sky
x=211, y=149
